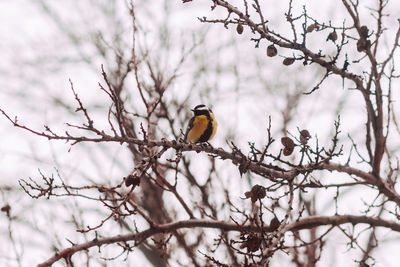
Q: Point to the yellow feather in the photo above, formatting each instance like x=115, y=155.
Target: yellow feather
x=214, y=125
x=199, y=126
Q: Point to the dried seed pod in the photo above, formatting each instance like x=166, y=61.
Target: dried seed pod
x=239, y=28
x=332, y=36
x=287, y=142
x=364, y=31
x=271, y=51
x=287, y=151
x=257, y=192
x=304, y=136
x=288, y=145
x=288, y=61
x=312, y=27
x=132, y=180
x=363, y=44
x=274, y=224
x=305, y=133
x=252, y=243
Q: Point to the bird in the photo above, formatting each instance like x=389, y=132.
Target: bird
x=202, y=126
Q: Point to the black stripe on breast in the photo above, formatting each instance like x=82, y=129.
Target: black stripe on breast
x=207, y=133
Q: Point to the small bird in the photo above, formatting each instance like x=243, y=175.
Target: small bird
x=202, y=127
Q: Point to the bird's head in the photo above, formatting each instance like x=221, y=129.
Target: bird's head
x=201, y=110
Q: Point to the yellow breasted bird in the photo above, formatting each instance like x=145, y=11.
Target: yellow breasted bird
x=202, y=127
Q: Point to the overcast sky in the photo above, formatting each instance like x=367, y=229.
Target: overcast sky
x=39, y=56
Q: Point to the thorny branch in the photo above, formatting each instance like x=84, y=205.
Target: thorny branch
x=286, y=176
x=306, y=223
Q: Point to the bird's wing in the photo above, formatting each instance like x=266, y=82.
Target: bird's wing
x=190, y=126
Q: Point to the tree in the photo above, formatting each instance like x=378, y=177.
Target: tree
x=246, y=204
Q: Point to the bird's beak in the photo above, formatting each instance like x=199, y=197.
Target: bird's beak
x=192, y=110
